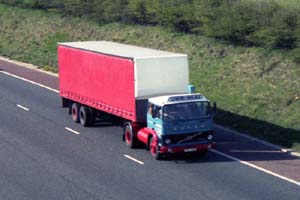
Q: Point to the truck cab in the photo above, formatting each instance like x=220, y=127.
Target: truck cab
x=182, y=123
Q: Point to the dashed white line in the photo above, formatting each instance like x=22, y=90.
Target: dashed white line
x=29, y=81
x=72, y=131
x=140, y=162
x=255, y=166
x=133, y=159
x=22, y=107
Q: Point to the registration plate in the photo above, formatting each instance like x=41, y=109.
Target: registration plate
x=190, y=150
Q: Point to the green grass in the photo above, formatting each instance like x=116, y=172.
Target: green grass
x=257, y=90
x=286, y=3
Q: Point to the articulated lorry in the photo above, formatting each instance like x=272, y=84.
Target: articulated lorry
x=149, y=89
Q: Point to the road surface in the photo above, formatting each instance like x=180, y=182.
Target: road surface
x=44, y=155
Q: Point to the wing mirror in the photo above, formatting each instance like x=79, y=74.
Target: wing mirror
x=214, y=111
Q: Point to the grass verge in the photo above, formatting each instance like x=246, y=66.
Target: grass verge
x=257, y=90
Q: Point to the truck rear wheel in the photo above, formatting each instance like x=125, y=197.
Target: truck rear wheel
x=129, y=136
x=85, y=116
x=75, y=112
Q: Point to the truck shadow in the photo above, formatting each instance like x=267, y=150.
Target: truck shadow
x=110, y=122
x=246, y=148
x=249, y=149
x=212, y=157
x=186, y=158
x=260, y=129
x=235, y=145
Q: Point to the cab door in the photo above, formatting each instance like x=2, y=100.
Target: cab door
x=154, y=118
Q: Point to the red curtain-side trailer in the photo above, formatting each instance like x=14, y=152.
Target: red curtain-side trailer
x=101, y=81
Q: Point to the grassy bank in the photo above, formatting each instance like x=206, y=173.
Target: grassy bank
x=257, y=90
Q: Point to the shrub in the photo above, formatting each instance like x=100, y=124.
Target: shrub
x=260, y=23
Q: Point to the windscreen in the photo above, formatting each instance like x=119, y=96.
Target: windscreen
x=186, y=111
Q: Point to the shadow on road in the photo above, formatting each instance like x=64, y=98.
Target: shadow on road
x=240, y=147
x=107, y=123
x=247, y=149
x=260, y=129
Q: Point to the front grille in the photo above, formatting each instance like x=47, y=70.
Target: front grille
x=186, y=138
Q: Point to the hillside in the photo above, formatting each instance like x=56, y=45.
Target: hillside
x=257, y=90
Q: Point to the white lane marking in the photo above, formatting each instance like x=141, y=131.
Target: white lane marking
x=140, y=162
x=22, y=107
x=256, y=151
x=27, y=65
x=133, y=159
x=72, y=131
x=255, y=166
x=29, y=81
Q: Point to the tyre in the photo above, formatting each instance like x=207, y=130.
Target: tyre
x=154, y=150
x=129, y=136
x=85, y=116
x=75, y=112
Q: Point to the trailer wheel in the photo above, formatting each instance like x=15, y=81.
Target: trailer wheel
x=75, y=112
x=85, y=116
x=154, y=149
x=129, y=136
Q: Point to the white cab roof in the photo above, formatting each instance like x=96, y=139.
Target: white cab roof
x=165, y=100
x=120, y=50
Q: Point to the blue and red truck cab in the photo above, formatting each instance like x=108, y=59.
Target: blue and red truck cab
x=178, y=123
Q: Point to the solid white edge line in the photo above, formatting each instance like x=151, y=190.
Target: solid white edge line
x=29, y=81
x=255, y=166
x=28, y=66
x=22, y=107
x=133, y=159
x=72, y=131
x=140, y=162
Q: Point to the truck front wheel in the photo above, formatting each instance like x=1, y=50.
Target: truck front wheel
x=154, y=149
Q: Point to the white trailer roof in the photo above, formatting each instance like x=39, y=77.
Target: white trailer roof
x=120, y=50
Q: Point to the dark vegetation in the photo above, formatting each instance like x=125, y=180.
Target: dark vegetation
x=243, y=54
x=267, y=23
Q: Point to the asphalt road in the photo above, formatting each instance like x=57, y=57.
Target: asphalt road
x=40, y=159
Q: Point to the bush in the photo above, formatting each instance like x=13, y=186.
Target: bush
x=187, y=18
x=247, y=22
x=143, y=11
x=295, y=55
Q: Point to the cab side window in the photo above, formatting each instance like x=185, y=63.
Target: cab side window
x=157, y=112
x=150, y=109
x=154, y=111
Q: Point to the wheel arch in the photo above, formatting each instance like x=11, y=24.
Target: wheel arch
x=151, y=134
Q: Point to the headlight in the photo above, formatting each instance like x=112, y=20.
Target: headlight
x=167, y=141
x=210, y=137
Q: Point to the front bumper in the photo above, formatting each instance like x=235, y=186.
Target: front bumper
x=185, y=148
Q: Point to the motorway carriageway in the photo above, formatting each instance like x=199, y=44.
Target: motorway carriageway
x=44, y=155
